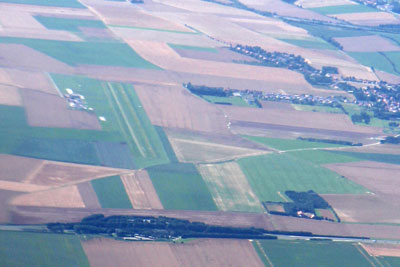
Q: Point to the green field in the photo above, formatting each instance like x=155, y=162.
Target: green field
x=312, y=253
x=39, y=249
x=58, y=3
x=180, y=187
x=287, y=144
x=325, y=109
x=111, y=193
x=344, y=9
x=271, y=175
x=385, y=158
x=321, y=157
x=313, y=44
x=376, y=60
x=233, y=100
x=91, y=53
x=66, y=24
x=195, y=48
x=124, y=114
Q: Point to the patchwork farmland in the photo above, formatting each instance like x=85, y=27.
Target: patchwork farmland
x=290, y=133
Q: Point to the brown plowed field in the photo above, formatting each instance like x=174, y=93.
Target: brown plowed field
x=66, y=197
x=5, y=197
x=9, y=95
x=371, y=43
x=48, y=110
x=187, y=111
x=40, y=34
x=206, y=252
x=21, y=187
x=383, y=180
x=380, y=149
x=20, y=56
x=17, y=169
x=141, y=191
x=88, y=195
x=386, y=250
x=221, y=54
x=57, y=173
x=23, y=79
x=336, y=122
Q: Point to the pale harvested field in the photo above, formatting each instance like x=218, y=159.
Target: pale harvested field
x=371, y=43
x=369, y=18
x=9, y=95
x=122, y=14
x=39, y=34
x=284, y=9
x=19, y=19
x=63, y=197
x=96, y=32
x=322, y=3
x=276, y=105
x=140, y=190
x=199, y=151
x=48, y=110
x=24, y=78
x=361, y=72
x=165, y=57
x=187, y=111
x=23, y=57
x=387, y=77
x=46, y=9
x=229, y=187
x=58, y=173
x=164, y=37
x=335, y=122
x=205, y=252
x=222, y=55
x=21, y=187
x=88, y=195
x=380, y=149
x=379, y=250
x=16, y=169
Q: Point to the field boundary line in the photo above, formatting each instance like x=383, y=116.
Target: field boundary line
x=264, y=253
x=361, y=250
x=54, y=84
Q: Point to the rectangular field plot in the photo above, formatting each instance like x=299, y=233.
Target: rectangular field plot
x=233, y=100
x=312, y=253
x=67, y=24
x=91, y=53
x=39, y=249
x=344, y=9
x=111, y=193
x=124, y=115
x=196, y=48
x=180, y=187
x=385, y=158
x=377, y=60
x=313, y=44
x=271, y=175
x=58, y=3
x=230, y=188
x=287, y=144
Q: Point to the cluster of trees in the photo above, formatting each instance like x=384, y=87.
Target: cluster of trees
x=154, y=228
x=362, y=117
x=330, y=141
x=305, y=202
x=206, y=90
x=391, y=140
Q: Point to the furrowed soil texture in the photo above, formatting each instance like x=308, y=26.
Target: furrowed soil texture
x=39, y=249
x=123, y=114
x=311, y=253
x=181, y=187
x=111, y=193
x=229, y=187
x=271, y=175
